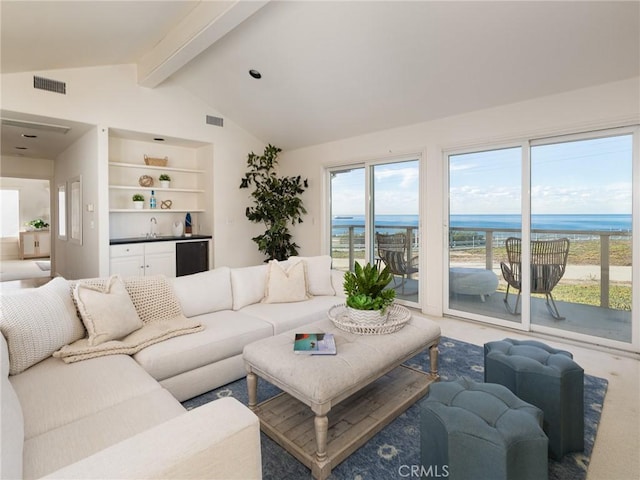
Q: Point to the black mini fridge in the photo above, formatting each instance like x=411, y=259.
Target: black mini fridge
x=192, y=257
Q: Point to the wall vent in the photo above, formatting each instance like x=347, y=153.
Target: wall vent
x=49, y=85
x=217, y=121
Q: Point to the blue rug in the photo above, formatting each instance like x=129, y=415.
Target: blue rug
x=391, y=453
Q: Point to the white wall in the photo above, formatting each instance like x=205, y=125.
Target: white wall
x=74, y=260
x=607, y=105
x=110, y=97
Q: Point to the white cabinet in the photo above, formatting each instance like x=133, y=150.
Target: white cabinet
x=35, y=244
x=153, y=258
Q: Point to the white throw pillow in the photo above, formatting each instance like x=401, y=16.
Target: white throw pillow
x=107, y=313
x=286, y=284
x=38, y=322
x=318, y=274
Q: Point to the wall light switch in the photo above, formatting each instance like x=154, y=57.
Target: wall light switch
x=89, y=207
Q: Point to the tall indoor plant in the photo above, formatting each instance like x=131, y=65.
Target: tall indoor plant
x=277, y=203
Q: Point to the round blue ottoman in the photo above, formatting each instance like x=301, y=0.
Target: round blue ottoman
x=547, y=378
x=472, y=430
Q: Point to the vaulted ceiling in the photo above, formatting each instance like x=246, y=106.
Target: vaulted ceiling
x=332, y=70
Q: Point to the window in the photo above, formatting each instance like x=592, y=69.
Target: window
x=10, y=219
x=62, y=211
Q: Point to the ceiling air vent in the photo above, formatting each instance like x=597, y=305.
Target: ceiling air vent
x=49, y=85
x=217, y=121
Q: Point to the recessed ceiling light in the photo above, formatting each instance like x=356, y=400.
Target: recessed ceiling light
x=159, y=139
x=255, y=74
x=21, y=148
x=29, y=135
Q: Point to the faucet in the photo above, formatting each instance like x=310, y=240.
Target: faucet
x=153, y=223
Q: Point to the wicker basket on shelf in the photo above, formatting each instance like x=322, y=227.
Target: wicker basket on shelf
x=156, y=162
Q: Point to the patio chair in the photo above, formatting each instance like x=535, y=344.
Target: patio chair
x=548, y=264
x=393, y=250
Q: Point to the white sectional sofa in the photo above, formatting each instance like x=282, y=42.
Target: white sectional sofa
x=119, y=416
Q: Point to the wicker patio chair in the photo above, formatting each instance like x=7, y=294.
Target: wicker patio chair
x=393, y=250
x=548, y=264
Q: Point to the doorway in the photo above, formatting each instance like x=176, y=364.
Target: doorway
x=25, y=229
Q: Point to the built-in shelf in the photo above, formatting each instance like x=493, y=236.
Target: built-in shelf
x=156, y=189
x=155, y=210
x=189, y=191
x=152, y=167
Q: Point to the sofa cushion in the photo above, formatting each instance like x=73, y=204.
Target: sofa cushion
x=107, y=313
x=288, y=316
x=85, y=436
x=318, y=274
x=286, y=283
x=37, y=322
x=204, y=292
x=225, y=335
x=53, y=393
x=11, y=422
x=247, y=284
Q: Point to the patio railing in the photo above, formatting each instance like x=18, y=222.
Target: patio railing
x=489, y=238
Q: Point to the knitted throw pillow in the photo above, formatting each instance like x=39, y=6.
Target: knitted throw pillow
x=38, y=322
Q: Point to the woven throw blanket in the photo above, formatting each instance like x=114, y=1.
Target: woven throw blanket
x=157, y=307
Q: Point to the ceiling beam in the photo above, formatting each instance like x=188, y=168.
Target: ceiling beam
x=206, y=24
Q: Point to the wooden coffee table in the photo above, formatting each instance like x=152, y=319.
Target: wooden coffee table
x=333, y=404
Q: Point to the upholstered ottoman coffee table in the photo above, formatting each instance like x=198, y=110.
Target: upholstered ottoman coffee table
x=332, y=404
x=472, y=430
x=544, y=377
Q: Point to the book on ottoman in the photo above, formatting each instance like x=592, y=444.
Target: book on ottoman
x=314, y=344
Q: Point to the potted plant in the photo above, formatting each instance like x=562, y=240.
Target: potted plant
x=367, y=299
x=277, y=203
x=164, y=180
x=138, y=201
x=37, y=224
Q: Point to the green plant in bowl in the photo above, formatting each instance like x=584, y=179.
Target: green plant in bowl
x=164, y=178
x=138, y=197
x=365, y=288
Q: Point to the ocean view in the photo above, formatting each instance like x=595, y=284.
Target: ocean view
x=577, y=223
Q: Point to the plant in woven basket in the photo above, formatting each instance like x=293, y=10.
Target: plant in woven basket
x=365, y=288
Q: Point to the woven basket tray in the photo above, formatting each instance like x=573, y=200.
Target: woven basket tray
x=398, y=317
x=156, y=162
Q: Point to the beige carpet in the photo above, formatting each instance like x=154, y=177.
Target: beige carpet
x=21, y=269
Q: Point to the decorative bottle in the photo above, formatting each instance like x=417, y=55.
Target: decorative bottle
x=187, y=225
x=152, y=200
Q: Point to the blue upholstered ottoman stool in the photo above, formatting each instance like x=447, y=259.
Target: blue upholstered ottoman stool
x=547, y=378
x=472, y=430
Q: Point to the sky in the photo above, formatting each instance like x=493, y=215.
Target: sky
x=396, y=187
x=580, y=177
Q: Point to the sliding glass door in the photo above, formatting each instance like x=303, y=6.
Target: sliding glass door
x=541, y=236
x=348, y=213
x=581, y=194
x=485, y=198
x=374, y=211
x=396, y=232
